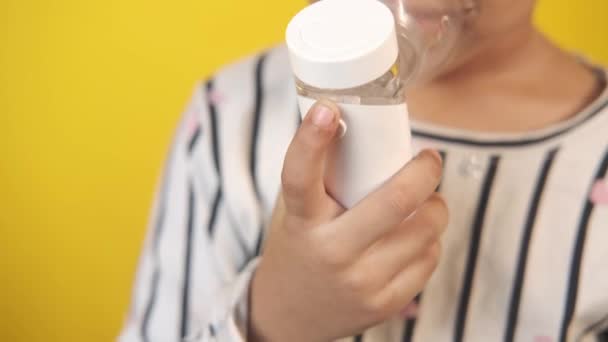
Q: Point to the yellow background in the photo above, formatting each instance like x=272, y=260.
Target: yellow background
x=89, y=94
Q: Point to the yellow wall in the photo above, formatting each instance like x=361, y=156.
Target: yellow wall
x=89, y=94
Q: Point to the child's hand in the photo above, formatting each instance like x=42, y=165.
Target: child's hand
x=328, y=273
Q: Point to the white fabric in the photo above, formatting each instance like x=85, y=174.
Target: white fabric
x=203, y=270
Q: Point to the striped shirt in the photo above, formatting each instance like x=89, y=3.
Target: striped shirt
x=525, y=256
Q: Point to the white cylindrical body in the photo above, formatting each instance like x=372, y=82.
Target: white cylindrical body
x=346, y=51
x=376, y=145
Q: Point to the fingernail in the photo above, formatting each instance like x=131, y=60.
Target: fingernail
x=322, y=116
x=343, y=129
x=434, y=154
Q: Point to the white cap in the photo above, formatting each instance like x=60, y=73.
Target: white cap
x=340, y=44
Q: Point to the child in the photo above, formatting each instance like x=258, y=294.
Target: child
x=522, y=128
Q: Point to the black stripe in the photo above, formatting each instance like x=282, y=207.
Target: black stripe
x=253, y=159
x=410, y=324
x=214, y=212
x=358, y=338
x=257, y=113
x=215, y=145
x=507, y=143
x=408, y=332
x=577, y=255
x=593, y=328
x=476, y=233
x=150, y=306
x=194, y=139
x=187, y=263
x=299, y=115
x=443, y=160
x=520, y=272
x=259, y=242
x=603, y=337
x=158, y=230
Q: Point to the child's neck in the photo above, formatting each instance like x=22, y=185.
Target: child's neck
x=521, y=85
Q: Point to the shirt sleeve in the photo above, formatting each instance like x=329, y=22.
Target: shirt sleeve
x=229, y=318
x=191, y=285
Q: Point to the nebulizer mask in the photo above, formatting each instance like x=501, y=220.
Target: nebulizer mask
x=427, y=34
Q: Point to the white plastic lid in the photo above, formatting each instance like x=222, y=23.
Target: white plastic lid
x=340, y=44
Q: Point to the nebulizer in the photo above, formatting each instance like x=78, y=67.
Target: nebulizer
x=363, y=55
